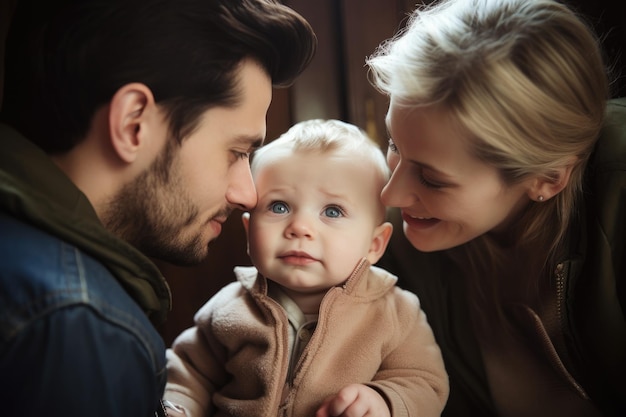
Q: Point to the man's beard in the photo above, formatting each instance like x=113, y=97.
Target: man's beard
x=151, y=211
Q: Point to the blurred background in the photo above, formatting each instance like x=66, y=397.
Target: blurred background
x=335, y=86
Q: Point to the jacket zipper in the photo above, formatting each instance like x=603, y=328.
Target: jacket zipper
x=560, y=275
x=559, y=272
x=278, y=403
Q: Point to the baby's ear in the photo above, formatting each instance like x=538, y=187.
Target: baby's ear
x=380, y=240
x=245, y=220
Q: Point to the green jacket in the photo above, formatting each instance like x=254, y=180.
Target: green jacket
x=592, y=294
x=34, y=190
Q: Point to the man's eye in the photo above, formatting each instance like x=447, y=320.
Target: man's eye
x=333, y=211
x=242, y=155
x=279, y=207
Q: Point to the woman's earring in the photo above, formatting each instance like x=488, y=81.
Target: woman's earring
x=540, y=198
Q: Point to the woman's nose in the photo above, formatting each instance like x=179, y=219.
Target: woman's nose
x=399, y=190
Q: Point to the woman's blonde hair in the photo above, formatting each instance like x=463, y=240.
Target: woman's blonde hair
x=526, y=81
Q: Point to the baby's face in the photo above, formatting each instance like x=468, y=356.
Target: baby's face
x=316, y=218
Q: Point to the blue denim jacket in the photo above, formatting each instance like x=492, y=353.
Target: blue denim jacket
x=72, y=342
x=76, y=304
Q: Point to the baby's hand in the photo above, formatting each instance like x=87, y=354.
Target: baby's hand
x=356, y=400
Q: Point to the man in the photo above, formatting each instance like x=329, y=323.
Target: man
x=128, y=129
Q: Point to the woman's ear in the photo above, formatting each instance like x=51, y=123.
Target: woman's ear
x=544, y=188
x=380, y=240
x=128, y=114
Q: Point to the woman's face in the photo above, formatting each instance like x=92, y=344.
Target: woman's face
x=447, y=196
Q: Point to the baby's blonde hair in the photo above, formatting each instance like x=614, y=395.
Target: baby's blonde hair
x=318, y=135
x=328, y=136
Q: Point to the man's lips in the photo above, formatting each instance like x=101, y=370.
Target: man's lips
x=297, y=258
x=217, y=227
x=216, y=223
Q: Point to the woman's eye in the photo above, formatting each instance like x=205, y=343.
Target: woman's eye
x=392, y=146
x=333, y=211
x=427, y=183
x=279, y=207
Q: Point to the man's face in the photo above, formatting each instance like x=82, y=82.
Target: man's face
x=177, y=206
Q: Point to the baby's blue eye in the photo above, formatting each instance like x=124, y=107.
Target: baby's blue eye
x=332, y=211
x=279, y=207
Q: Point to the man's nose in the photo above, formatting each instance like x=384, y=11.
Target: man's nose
x=241, y=191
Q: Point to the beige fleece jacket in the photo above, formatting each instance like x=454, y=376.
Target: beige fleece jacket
x=234, y=361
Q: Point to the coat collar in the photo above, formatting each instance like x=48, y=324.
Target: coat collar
x=365, y=280
x=35, y=190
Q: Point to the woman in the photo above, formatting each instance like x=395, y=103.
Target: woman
x=509, y=172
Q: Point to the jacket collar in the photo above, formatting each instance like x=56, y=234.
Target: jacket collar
x=35, y=190
x=364, y=281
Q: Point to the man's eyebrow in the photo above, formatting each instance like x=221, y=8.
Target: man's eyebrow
x=254, y=142
x=257, y=143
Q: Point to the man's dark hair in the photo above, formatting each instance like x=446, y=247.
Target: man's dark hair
x=64, y=61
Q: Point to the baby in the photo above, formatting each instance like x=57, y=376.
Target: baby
x=313, y=328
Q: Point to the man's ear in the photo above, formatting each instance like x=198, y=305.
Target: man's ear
x=128, y=111
x=544, y=188
x=380, y=240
